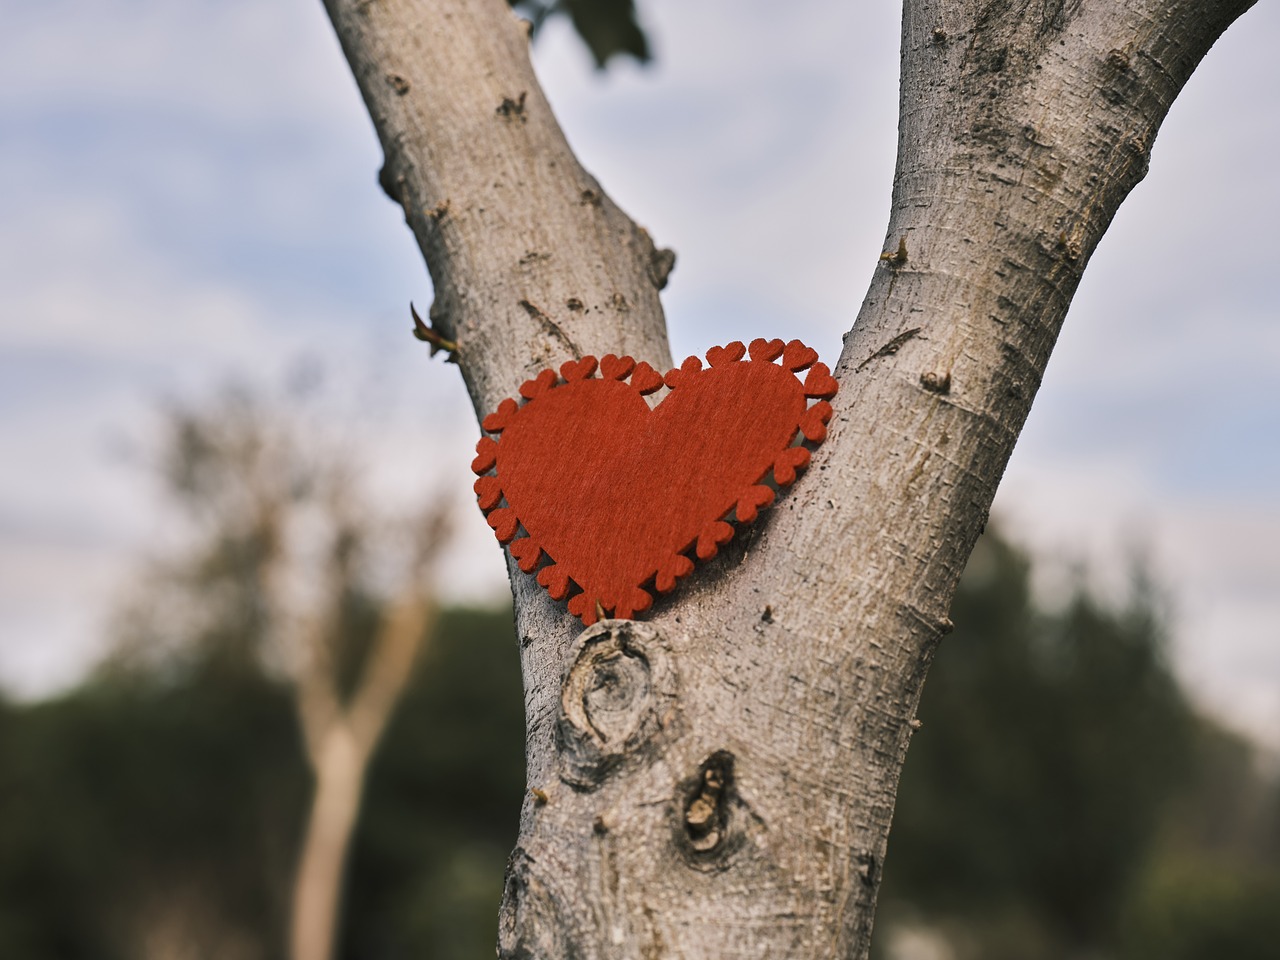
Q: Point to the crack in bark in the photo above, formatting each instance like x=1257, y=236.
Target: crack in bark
x=552, y=329
x=892, y=347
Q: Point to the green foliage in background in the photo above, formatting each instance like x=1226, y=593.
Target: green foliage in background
x=1058, y=768
x=129, y=807
x=443, y=802
x=1049, y=746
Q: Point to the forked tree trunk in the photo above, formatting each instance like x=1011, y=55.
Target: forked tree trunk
x=718, y=781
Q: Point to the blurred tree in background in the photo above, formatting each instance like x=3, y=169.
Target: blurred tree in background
x=288, y=574
x=294, y=567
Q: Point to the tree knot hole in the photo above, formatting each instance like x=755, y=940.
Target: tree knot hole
x=619, y=687
x=936, y=382
x=706, y=808
x=510, y=109
x=615, y=691
x=867, y=865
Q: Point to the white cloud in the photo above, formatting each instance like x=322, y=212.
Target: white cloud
x=241, y=62
x=52, y=604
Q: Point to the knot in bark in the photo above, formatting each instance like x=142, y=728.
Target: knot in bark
x=617, y=700
x=710, y=830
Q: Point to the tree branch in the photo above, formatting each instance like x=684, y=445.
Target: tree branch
x=405, y=628
x=501, y=208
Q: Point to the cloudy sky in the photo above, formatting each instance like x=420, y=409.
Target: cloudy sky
x=187, y=195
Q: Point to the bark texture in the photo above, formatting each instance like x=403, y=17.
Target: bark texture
x=719, y=780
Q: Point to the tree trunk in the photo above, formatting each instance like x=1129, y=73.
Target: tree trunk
x=339, y=767
x=719, y=780
x=340, y=736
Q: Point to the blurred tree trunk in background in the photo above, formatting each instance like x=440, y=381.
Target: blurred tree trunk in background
x=340, y=598
x=341, y=732
x=799, y=662
x=342, y=737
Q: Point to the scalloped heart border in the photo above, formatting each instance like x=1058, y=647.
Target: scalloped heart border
x=795, y=356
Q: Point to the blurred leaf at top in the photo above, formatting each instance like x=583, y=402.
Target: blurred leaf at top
x=608, y=27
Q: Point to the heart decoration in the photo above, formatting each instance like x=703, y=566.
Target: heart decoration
x=616, y=494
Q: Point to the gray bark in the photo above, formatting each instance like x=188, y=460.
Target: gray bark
x=719, y=781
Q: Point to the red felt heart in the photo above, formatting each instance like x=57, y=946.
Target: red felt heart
x=616, y=494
